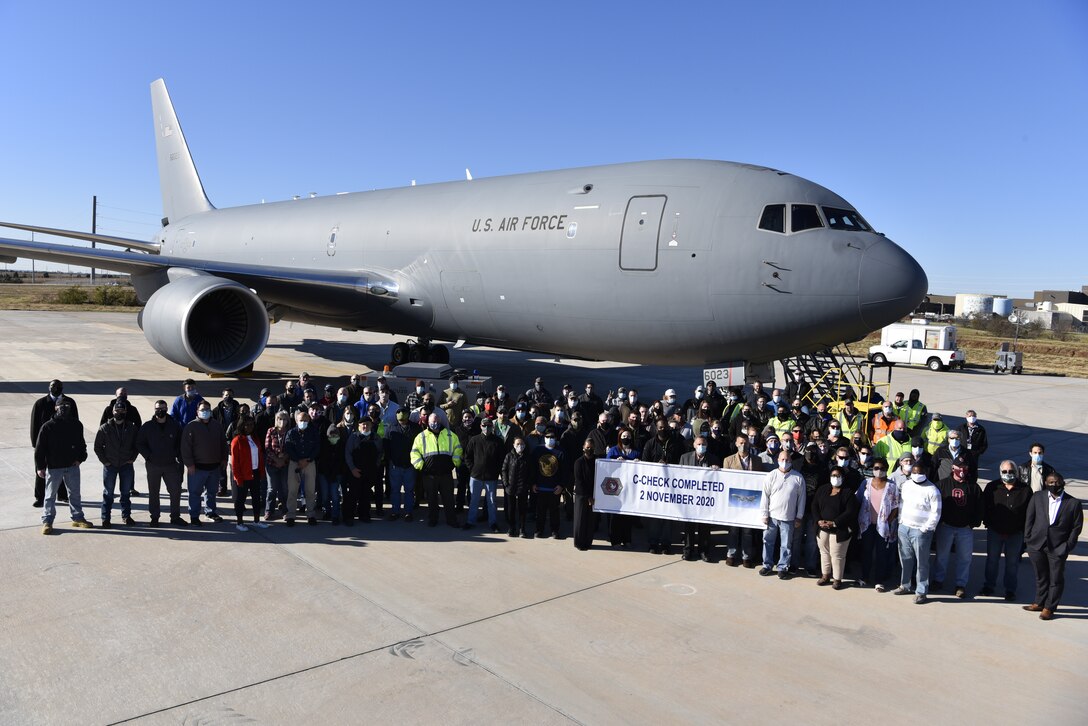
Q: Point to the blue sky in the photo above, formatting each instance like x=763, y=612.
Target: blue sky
x=958, y=129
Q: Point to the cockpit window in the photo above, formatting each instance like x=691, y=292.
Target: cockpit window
x=846, y=219
x=774, y=218
x=804, y=216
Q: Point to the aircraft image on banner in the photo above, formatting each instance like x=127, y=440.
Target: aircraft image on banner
x=679, y=262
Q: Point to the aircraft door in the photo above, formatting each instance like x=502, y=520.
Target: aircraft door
x=641, y=227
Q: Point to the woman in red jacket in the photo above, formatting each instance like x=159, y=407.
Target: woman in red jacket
x=247, y=466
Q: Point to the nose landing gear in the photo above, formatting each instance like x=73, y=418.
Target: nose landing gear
x=418, y=351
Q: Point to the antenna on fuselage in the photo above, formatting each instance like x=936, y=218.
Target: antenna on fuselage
x=468, y=175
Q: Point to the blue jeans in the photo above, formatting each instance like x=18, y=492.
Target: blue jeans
x=1010, y=545
x=783, y=530
x=402, y=478
x=914, y=552
x=330, y=494
x=277, y=489
x=203, y=481
x=964, y=538
x=109, y=480
x=478, y=487
x=53, y=478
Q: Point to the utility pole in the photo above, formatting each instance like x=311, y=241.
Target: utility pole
x=94, y=226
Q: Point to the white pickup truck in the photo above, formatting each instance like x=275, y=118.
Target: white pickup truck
x=933, y=346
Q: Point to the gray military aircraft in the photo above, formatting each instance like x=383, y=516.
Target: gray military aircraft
x=684, y=262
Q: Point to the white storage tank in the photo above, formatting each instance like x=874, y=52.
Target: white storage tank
x=974, y=306
x=1002, y=306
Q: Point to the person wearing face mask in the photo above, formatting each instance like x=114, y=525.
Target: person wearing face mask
x=414, y=399
x=900, y=470
x=961, y=512
x=884, y=422
x=383, y=385
x=948, y=455
x=291, y=396
x=183, y=409
x=363, y=457
x=302, y=445
x=131, y=414
x=436, y=452
x=603, y=435
x=975, y=441
x=893, y=446
x=203, y=451
x=1035, y=470
x=453, y=400
x=620, y=525
x=918, y=450
x=919, y=513
x=226, y=413
x=332, y=470
x=631, y=403
x=115, y=447
x=58, y=451
x=913, y=413
x=1004, y=512
x=697, y=544
x=247, y=470
x=850, y=420
x=43, y=410
x=328, y=397
x=664, y=447
x=714, y=399
x=590, y=404
x=584, y=520
x=798, y=388
x=769, y=456
x=819, y=421
x=834, y=509
x=783, y=422
x=539, y=396
x=782, y=507
x=484, y=454
x=466, y=428
x=517, y=480
x=399, y=437
x=670, y=403
x=878, y=512
x=816, y=472
x=934, y=434
x=1052, y=526
x=159, y=442
x=275, y=460
x=551, y=478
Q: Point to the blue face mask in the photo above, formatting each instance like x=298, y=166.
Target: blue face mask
x=1036, y=458
x=204, y=415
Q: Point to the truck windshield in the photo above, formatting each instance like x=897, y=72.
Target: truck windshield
x=846, y=219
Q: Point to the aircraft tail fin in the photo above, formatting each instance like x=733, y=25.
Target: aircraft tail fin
x=182, y=192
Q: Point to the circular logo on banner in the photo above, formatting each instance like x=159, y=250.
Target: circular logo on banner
x=611, y=486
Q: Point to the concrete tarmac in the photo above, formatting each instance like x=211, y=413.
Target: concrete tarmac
x=399, y=623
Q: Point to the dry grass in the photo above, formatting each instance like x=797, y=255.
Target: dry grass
x=1042, y=355
x=44, y=297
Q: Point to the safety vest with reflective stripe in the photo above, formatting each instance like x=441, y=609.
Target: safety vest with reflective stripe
x=427, y=445
x=783, y=428
x=849, y=428
x=882, y=428
x=911, y=415
x=934, y=436
x=891, y=450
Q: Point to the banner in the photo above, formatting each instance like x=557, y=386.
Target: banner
x=685, y=493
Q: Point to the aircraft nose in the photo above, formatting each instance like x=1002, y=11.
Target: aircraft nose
x=891, y=284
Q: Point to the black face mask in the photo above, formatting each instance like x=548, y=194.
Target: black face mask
x=56, y=390
x=1055, y=489
x=160, y=415
x=119, y=417
x=64, y=411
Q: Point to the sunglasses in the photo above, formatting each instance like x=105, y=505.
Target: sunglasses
x=1007, y=471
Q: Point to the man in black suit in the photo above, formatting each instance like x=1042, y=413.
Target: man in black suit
x=43, y=410
x=1053, y=525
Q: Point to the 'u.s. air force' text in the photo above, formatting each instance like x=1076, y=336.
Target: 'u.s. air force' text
x=519, y=224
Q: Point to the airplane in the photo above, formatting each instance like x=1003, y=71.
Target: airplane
x=678, y=262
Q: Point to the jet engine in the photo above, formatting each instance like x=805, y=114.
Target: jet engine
x=206, y=323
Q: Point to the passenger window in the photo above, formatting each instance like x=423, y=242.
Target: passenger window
x=916, y=344
x=846, y=219
x=774, y=218
x=804, y=216
x=899, y=344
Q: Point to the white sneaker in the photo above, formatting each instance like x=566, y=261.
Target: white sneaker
x=241, y=528
x=260, y=525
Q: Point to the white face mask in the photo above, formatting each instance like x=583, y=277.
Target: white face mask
x=549, y=442
x=840, y=461
x=906, y=467
x=341, y=400
x=700, y=450
x=520, y=448
x=971, y=420
x=918, y=478
x=953, y=443
x=917, y=450
x=698, y=395
x=785, y=465
x=303, y=425
x=836, y=481
x=204, y=415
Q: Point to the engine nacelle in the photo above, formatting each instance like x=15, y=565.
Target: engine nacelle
x=206, y=323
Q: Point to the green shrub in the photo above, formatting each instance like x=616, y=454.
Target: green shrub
x=72, y=296
x=114, y=296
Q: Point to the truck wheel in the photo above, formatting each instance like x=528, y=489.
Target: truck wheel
x=879, y=359
x=995, y=369
x=1018, y=370
x=935, y=364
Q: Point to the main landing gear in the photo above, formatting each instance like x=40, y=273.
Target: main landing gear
x=418, y=351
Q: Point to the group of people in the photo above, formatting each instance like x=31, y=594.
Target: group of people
x=877, y=489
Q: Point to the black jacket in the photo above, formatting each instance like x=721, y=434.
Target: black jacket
x=131, y=414
x=45, y=409
x=60, y=444
x=1004, y=510
x=483, y=455
x=398, y=443
x=1024, y=472
x=842, y=509
x=585, y=468
x=668, y=451
x=1059, y=538
x=160, y=444
x=365, y=454
x=602, y=439
x=115, y=445
x=517, y=472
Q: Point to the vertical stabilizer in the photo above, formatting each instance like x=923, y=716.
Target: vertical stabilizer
x=182, y=192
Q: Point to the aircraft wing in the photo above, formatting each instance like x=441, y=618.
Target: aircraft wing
x=283, y=285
